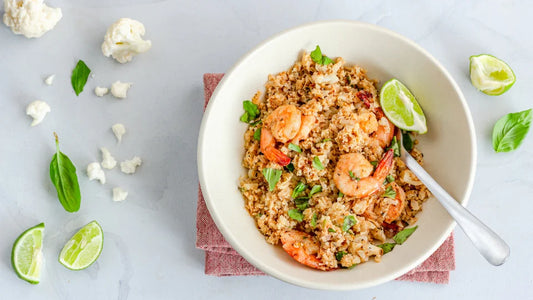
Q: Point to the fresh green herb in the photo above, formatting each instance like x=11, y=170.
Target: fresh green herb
x=389, y=192
x=294, y=147
x=313, y=220
x=352, y=176
x=257, y=134
x=387, y=247
x=349, y=221
x=408, y=143
x=289, y=167
x=317, y=164
x=326, y=140
x=389, y=178
x=64, y=178
x=296, y=215
x=374, y=163
x=331, y=230
x=320, y=59
x=352, y=266
x=272, y=176
x=302, y=203
x=79, y=76
x=251, y=111
x=300, y=187
x=256, y=122
x=341, y=195
x=339, y=255
x=402, y=236
x=395, y=147
x=510, y=131
x=259, y=215
x=315, y=189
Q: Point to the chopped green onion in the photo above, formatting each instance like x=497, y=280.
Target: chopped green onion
x=317, y=164
x=313, y=220
x=390, y=192
x=349, y=221
x=272, y=176
x=390, y=178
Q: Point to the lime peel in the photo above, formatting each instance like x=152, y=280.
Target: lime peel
x=27, y=256
x=490, y=74
x=84, y=248
x=401, y=107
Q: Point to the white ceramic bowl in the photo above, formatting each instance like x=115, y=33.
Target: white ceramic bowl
x=449, y=146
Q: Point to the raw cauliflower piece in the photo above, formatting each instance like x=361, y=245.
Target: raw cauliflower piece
x=120, y=89
x=31, y=18
x=130, y=166
x=108, y=161
x=94, y=171
x=119, y=130
x=123, y=40
x=119, y=194
x=37, y=110
x=100, y=91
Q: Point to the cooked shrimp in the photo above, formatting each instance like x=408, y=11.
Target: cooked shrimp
x=267, y=144
x=395, y=209
x=353, y=174
x=303, y=248
x=308, y=123
x=385, y=132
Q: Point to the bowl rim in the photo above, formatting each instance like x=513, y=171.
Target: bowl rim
x=273, y=272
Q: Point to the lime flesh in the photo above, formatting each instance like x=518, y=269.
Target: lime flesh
x=491, y=75
x=401, y=107
x=84, y=248
x=27, y=255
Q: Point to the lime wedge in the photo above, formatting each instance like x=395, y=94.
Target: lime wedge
x=83, y=248
x=26, y=256
x=401, y=107
x=490, y=75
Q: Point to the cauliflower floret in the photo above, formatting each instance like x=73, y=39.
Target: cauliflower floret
x=37, y=110
x=94, y=171
x=119, y=194
x=130, y=166
x=32, y=18
x=123, y=40
x=120, y=89
x=119, y=130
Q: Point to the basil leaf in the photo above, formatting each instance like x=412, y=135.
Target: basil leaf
x=390, y=192
x=300, y=187
x=302, y=203
x=387, y=247
x=313, y=220
x=510, y=131
x=251, y=111
x=349, y=221
x=339, y=255
x=374, y=163
x=317, y=164
x=408, y=143
x=318, y=58
x=289, y=167
x=341, y=195
x=79, y=76
x=389, y=178
x=395, y=147
x=257, y=134
x=294, y=147
x=331, y=230
x=316, y=189
x=296, y=215
x=64, y=178
x=272, y=176
x=402, y=236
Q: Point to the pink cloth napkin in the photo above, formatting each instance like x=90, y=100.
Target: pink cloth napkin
x=222, y=260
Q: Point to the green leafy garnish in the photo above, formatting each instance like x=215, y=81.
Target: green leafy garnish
x=302, y=203
x=294, y=147
x=296, y=215
x=349, y=221
x=341, y=195
x=510, y=131
x=402, y=236
x=251, y=112
x=389, y=192
x=352, y=176
x=317, y=164
x=315, y=189
x=257, y=134
x=64, y=178
x=300, y=187
x=374, y=163
x=289, y=167
x=320, y=59
x=313, y=220
x=389, y=178
x=387, y=247
x=408, y=143
x=395, y=147
x=339, y=255
x=326, y=140
x=331, y=230
x=79, y=76
x=272, y=176
x=352, y=266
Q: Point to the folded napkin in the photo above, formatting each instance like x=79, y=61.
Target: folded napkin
x=222, y=260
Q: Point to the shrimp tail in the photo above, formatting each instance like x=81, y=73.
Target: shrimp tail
x=267, y=145
x=383, y=167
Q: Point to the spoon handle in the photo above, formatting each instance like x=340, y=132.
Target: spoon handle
x=488, y=243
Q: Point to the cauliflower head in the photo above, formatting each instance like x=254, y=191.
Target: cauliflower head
x=123, y=40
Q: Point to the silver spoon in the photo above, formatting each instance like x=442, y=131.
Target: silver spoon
x=487, y=242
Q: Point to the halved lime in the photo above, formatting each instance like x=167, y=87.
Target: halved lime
x=401, y=107
x=83, y=248
x=491, y=75
x=27, y=255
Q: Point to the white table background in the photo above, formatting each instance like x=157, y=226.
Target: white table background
x=149, y=248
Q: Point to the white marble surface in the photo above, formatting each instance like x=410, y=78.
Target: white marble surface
x=149, y=248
